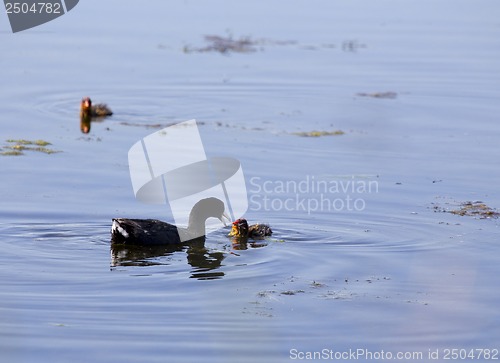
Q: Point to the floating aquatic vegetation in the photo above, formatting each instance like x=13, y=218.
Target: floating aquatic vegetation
x=17, y=147
x=341, y=289
x=317, y=284
x=352, y=45
x=387, y=95
x=154, y=126
x=319, y=133
x=28, y=142
x=12, y=153
x=228, y=44
x=146, y=125
x=225, y=45
x=292, y=292
x=246, y=44
x=476, y=209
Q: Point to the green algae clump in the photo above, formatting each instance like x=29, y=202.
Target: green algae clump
x=319, y=133
x=16, y=147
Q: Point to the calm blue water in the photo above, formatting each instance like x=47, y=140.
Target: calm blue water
x=375, y=269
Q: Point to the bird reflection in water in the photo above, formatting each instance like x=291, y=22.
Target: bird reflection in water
x=91, y=113
x=204, y=262
x=244, y=243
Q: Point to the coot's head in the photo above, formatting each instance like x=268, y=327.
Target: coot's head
x=209, y=207
x=240, y=228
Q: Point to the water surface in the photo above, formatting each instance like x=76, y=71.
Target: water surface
x=394, y=275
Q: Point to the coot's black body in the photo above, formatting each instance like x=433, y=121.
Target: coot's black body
x=154, y=232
